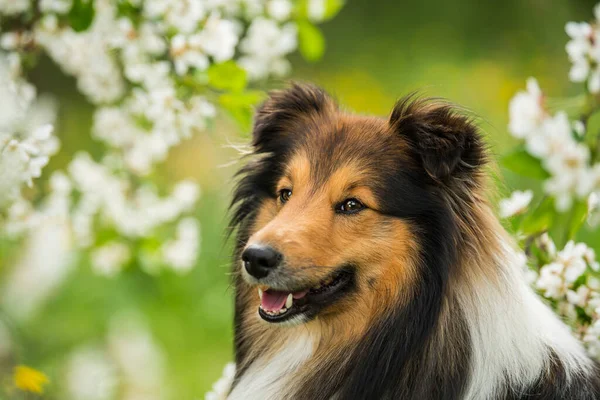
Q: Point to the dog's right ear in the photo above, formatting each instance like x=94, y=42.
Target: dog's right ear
x=448, y=145
x=274, y=118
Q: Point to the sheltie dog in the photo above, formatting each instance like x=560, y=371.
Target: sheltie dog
x=370, y=265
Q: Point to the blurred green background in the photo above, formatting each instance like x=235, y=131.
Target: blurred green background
x=477, y=54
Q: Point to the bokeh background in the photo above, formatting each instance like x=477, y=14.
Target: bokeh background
x=477, y=54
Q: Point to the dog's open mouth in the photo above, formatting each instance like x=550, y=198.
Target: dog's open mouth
x=280, y=306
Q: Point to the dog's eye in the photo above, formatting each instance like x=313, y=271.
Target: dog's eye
x=284, y=195
x=349, y=206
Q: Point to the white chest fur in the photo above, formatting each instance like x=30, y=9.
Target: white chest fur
x=267, y=379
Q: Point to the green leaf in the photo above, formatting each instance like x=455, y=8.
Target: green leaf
x=578, y=216
x=227, y=76
x=312, y=42
x=523, y=163
x=81, y=15
x=332, y=8
x=540, y=218
x=241, y=106
x=593, y=124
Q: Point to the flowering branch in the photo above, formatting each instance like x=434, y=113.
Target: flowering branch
x=158, y=72
x=564, y=156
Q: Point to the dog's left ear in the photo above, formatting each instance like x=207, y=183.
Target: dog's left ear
x=446, y=143
x=284, y=108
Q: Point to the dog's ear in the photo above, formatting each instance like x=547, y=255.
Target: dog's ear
x=274, y=118
x=445, y=142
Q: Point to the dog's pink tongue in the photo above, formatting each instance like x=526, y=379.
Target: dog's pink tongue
x=273, y=300
x=299, y=295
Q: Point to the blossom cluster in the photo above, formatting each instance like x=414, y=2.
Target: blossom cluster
x=568, y=278
x=150, y=69
x=561, y=150
x=556, y=142
x=26, y=139
x=583, y=49
x=516, y=204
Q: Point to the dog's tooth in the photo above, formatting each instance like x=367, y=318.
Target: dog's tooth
x=289, y=301
x=260, y=293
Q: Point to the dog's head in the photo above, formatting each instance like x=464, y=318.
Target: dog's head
x=339, y=212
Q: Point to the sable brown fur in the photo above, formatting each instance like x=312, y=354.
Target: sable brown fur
x=426, y=238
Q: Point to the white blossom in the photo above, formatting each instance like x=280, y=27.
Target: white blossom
x=579, y=45
x=594, y=209
x=26, y=140
x=265, y=46
x=551, y=139
x=530, y=275
x=55, y=6
x=591, y=338
x=13, y=41
x=551, y=281
x=39, y=271
x=579, y=49
x=90, y=374
x=316, y=10
x=13, y=7
x=579, y=128
x=147, y=39
x=584, y=53
x=183, y=15
x=516, y=204
x=186, y=193
x=569, y=264
x=150, y=75
x=219, y=38
x=133, y=213
x=187, y=53
x=572, y=258
x=280, y=9
x=181, y=253
x=588, y=180
x=108, y=259
x=526, y=111
x=586, y=298
x=221, y=388
x=138, y=358
x=88, y=55
x=550, y=136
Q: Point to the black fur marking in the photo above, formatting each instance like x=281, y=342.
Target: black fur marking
x=447, y=142
x=275, y=117
x=554, y=385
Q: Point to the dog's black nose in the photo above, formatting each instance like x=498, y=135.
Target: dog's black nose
x=260, y=260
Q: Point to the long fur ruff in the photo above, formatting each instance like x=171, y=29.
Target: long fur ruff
x=450, y=317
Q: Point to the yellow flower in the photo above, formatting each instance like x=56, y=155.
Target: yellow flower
x=29, y=379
